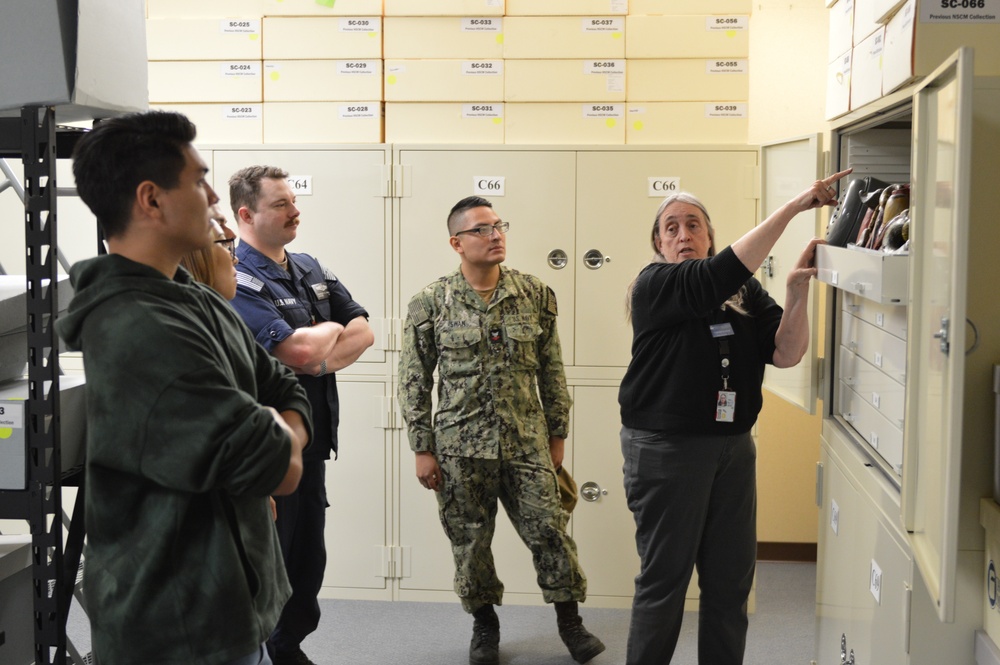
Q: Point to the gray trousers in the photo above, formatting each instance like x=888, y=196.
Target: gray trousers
x=694, y=500
x=528, y=489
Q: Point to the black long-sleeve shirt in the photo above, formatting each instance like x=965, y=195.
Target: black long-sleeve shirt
x=673, y=380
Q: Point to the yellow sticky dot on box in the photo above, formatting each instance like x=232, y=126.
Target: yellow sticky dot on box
x=253, y=38
x=275, y=76
x=616, y=35
x=323, y=3
x=497, y=121
x=637, y=125
x=610, y=122
x=390, y=79
x=500, y=38
x=730, y=33
x=6, y=432
x=373, y=34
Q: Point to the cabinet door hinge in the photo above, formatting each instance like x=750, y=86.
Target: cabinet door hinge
x=391, y=419
x=751, y=182
x=819, y=484
x=396, y=180
x=393, y=562
x=393, y=334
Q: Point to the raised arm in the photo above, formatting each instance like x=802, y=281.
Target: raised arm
x=754, y=247
x=792, y=337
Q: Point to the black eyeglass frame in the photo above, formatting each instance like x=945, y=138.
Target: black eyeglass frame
x=499, y=227
x=229, y=244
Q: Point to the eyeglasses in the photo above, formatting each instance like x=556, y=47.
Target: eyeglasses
x=487, y=231
x=229, y=244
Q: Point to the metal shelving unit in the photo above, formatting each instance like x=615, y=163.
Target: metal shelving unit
x=33, y=137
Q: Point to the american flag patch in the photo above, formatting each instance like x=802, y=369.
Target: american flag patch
x=249, y=281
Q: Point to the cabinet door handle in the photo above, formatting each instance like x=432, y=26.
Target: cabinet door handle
x=557, y=259
x=594, y=259
x=591, y=491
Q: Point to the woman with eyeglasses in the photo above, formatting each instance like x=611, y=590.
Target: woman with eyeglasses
x=702, y=331
x=215, y=266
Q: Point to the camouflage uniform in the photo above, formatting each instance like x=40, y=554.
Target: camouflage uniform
x=490, y=435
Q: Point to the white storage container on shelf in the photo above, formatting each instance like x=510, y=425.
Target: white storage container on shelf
x=868, y=273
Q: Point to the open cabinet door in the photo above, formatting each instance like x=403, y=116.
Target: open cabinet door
x=787, y=168
x=939, y=213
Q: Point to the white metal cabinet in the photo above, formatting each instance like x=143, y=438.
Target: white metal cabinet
x=342, y=195
x=359, y=563
x=603, y=527
x=429, y=574
x=786, y=169
x=617, y=198
x=533, y=190
x=929, y=506
x=838, y=524
x=566, y=201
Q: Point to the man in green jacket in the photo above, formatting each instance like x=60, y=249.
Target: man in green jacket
x=191, y=425
x=491, y=333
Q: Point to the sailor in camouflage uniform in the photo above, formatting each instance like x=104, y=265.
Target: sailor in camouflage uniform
x=491, y=333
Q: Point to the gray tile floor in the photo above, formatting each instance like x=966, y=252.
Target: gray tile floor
x=370, y=632
x=365, y=633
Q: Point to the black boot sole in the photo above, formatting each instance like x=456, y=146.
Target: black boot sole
x=589, y=654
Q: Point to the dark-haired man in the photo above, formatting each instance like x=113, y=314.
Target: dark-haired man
x=191, y=426
x=491, y=334
x=302, y=314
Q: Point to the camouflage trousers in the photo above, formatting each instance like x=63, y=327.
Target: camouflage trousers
x=528, y=490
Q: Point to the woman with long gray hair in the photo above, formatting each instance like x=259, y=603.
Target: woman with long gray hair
x=703, y=330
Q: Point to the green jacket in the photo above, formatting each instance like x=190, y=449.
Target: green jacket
x=182, y=563
x=494, y=363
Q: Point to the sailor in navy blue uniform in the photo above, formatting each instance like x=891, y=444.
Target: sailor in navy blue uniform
x=304, y=316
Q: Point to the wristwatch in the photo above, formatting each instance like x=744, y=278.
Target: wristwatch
x=322, y=367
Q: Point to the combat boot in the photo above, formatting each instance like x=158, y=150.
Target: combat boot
x=485, y=646
x=582, y=645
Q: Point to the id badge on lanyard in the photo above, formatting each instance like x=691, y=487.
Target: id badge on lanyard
x=725, y=405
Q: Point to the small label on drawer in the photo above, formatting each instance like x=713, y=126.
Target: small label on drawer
x=248, y=69
x=241, y=112
x=489, y=185
x=11, y=415
x=880, y=320
x=353, y=67
x=663, y=186
x=481, y=24
x=600, y=24
x=726, y=110
x=482, y=68
x=482, y=110
x=878, y=359
x=834, y=277
x=302, y=185
x=835, y=517
x=726, y=66
x=240, y=26
x=358, y=24
x=876, y=583
x=603, y=66
x=960, y=11
x=874, y=440
x=726, y=23
x=360, y=111
x=603, y=111
x=876, y=400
